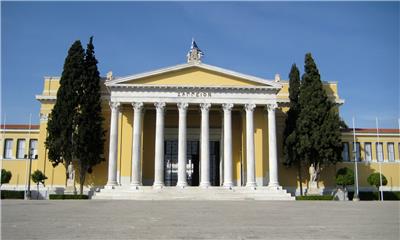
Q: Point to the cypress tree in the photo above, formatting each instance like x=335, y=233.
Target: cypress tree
x=61, y=124
x=290, y=137
x=318, y=124
x=89, y=137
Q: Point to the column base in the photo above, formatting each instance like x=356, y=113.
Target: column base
x=158, y=185
x=181, y=184
x=228, y=185
x=111, y=185
x=135, y=186
x=274, y=186
x=205, y=184
x=251, y=185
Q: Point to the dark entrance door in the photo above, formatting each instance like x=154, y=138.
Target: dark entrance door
x=192, y=164
x=214, y=163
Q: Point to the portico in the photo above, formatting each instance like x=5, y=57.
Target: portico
x=201, y=90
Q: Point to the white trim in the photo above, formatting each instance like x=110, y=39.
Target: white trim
x=373, y=134
x=287, y=100
x=20, y=130
x=45, y=97
x=169, y=86
x=189, y=65
x=261, y=96
x=18, y=159
x=374, y=161
x=323, y=81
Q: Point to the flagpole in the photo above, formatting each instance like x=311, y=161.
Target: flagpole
x=355, y=197
x=2, y=139
x=380, y=162
x=27, y=166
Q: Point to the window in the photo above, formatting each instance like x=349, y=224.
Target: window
x=33, y=147
x=379, y=152
x=357, y=151
x=391, y=152
x=8, y=148
x=20, y=148
x=345, y=153
x=368, y=151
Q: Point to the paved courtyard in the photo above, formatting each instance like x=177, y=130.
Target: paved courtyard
x=104, y=219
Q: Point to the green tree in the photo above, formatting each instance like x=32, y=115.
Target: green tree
x=5, y=176
x=62, y=119
x=89, y=137
x=345, y=177
x=38, y=177
x=374, y=180
x=290, y=137
x=318, y=123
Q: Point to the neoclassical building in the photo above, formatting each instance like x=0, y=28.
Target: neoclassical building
x=196, y=125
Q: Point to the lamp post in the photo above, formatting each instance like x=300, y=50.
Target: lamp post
x=355, y=197
x=30, y=156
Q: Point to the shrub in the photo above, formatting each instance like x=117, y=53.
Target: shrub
x=370, y=196
x=316, y=197
x=5, y=176
x=374, y=180
x=67, y=197
x=38, y=177
x=9, y=194
x=345, y=177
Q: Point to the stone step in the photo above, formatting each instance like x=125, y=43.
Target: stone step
x=193, y=193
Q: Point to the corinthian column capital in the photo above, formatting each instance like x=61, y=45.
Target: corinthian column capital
x=160, y=105
x=227, y=107
x=137, y=106
x=271, y=107
x=205, y=106
x=249, y=107
x=182, y=106
x=114, y=105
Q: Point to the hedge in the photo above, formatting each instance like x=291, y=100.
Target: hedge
x=370, y=196
x=64, y=196
x=10, y=194
x=315, y=197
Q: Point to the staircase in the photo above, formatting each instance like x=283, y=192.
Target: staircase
x=193, y=193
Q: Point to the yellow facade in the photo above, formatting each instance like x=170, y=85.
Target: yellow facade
x=18, y=163
x=200, y=77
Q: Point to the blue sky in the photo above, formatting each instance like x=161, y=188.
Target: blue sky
x=354, y=43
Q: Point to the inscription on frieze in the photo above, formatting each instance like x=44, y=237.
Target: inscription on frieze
x=194, y=94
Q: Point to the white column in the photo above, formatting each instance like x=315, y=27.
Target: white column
x=136, y=144
x=205, y=148
x=228, y=165
x=113, y=151
x=251, y=167
x=182, y=182
x=221, y=151
x=273, y=155
x=159, y=147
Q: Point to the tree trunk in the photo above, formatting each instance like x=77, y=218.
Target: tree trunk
x=379, y=193
x=300, y=178
x=82, y=175
x=37, y=196
x=66, y=175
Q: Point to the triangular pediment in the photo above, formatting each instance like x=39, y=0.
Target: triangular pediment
x=194, y=75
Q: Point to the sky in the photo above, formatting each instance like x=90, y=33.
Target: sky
x=353, y=43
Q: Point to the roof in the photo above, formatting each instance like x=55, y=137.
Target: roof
x=19, y=126
x=119, y=80
x=372, y=130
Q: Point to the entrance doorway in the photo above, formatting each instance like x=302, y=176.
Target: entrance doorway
x=192, y=163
